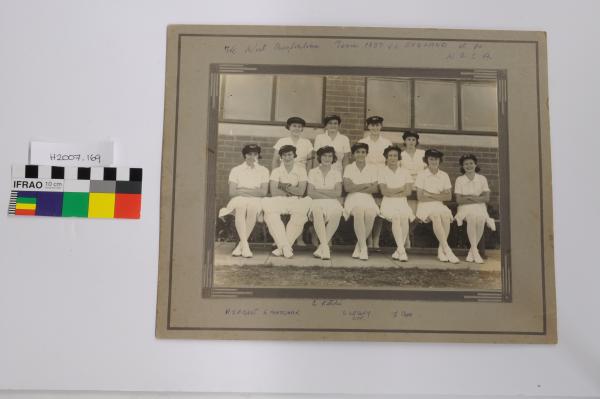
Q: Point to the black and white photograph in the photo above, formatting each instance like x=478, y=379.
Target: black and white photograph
x=380, y=180
x=376, y=184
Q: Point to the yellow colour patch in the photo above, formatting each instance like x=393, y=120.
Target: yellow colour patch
x=29, y=207
x=102, y=205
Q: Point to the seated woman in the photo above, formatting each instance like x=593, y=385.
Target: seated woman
x=412, y=160
x=325, y=189
x=287, y=185
x=395, y=183
x=304, y=149
x=434, y=187
x=377, y=144
x=360, y=182
x=248, y=184
x=472, y=195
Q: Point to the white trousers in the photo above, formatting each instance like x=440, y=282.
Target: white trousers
x=296, y=207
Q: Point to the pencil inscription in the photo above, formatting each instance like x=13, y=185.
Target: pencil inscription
x=251, y=312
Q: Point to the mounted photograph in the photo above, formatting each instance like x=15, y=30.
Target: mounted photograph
x=330, y=183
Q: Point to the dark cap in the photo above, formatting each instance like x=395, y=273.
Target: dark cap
x=250, y=148
x=330, y=118
x=357, y=146
x=287, y=148
x=433, y=153
x=408, y=133
x=294, y=119
x=371, y=120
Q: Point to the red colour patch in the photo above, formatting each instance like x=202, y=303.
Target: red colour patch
x=128, y=206
x=25, y=212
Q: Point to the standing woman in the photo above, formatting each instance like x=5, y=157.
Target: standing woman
x=360, y=182
x=434, y=187
x=304, y=148
x=472, y=195
x=325, y=189
x=332, y=137
x=395, y=183
x=248, y=184
x=377, y=143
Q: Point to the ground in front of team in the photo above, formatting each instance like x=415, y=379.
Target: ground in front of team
x=423, y=270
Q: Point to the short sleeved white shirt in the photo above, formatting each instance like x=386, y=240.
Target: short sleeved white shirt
x=375, y=154
x=304, y=148
x=246, y=176
x=327, y=182
x=433, y=183
x=466, y=186
x=294, y=177
x=340, y=143
x=393, y=179
x=367, y=175
x=413, y=164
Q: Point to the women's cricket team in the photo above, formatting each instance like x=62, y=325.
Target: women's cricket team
x=377, y=183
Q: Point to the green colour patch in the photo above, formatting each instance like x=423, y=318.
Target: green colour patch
x=75, y=204
x=26, y=200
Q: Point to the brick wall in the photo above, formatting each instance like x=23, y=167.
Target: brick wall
x=345, y=96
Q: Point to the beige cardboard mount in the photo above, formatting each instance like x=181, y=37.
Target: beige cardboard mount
x=190, y=306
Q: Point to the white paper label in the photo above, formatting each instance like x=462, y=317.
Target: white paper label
x=73, y=154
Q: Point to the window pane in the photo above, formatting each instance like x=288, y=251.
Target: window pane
x=248, y=97
x=299, y=95
x=389, y=98
x=435, y=105
x=479, y=106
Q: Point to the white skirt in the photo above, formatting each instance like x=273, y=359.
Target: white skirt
x=476, y=210
x=286, y=205
x=238, y=201
x=428, y=208
x=364, y=200
x=329, y=207
x=396, y=206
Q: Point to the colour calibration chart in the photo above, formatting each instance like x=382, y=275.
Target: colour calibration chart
x=71, y=191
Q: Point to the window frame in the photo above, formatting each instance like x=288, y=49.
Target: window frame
x=459, y=111
x=272, y=121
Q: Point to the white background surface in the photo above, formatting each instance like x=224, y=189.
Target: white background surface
x=77, y=297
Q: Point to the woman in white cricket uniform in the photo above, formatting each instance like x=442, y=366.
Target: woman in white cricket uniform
x=325, y=189
x=395, y=184
x=248, y=184
x=434, y=187
x=360, y=182
x=287, y=186
x=472, y=195
x=377, y=144
x=412, y=160
x=304, y=148
x=332, y=137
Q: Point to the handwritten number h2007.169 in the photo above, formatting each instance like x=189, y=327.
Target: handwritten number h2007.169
x=76, y=157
